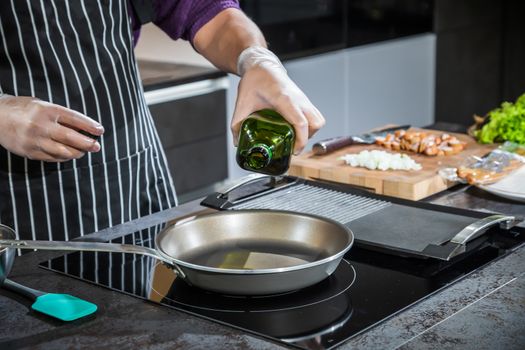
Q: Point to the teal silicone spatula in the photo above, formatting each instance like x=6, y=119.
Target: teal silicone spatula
x=65, y=307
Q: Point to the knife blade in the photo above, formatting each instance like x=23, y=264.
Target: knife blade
x=335, y=143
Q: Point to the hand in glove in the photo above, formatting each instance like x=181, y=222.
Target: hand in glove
x=265, y=84
x=41, y=130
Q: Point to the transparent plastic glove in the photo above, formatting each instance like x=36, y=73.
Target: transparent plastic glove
x=265, y=84
x=41, y=130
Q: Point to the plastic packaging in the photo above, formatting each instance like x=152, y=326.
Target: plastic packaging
x=483, y=171
x=515, y=148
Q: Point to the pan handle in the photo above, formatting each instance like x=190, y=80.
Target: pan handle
x=90, y=247
x=244, y=181
x=221, y=200
x=477, y=228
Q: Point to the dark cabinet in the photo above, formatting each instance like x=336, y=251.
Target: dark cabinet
x=480, y=52
x=300, y=28
x=513, y=74
x=452, y=14
x=297, y=28
x=468, y=71
x=193, y=119
x=193, y=134
x=198, y=165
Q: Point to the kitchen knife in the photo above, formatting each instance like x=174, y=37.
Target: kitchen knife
x=335, y=143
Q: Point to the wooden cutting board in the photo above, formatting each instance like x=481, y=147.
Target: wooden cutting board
x=397, y=183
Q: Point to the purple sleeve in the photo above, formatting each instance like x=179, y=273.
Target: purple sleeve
x=184, y=18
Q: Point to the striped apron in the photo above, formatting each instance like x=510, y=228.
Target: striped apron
x=79, y=54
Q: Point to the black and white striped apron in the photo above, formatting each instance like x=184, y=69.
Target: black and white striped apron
x=79, y=54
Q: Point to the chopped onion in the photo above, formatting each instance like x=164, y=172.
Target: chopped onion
x=381, y=160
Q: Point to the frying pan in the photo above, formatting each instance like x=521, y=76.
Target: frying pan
x=7, y=255
x=245, y=252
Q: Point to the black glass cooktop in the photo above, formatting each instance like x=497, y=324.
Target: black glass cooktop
x=366, y=288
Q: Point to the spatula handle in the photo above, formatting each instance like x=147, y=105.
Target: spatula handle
x=27, y=292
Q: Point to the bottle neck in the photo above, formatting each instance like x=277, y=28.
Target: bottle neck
x=259, y=156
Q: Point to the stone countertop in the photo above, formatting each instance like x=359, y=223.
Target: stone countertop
x=122, y=321
x=485, y=310
x=157, y=75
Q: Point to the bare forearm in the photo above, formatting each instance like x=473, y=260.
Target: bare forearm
x=223, y=38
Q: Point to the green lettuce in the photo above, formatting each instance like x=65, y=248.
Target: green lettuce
x=506, y=123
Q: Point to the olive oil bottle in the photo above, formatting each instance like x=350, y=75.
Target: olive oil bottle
x=266, y=143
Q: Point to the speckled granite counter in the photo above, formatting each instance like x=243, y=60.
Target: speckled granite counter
x=157, y=75
x=486, y=310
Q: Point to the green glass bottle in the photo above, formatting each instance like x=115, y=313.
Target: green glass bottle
x=266, y=143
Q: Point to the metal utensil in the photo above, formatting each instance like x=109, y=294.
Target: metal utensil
x=335, y=143
x=279, y=251
x=7, y=255
x=64, y=307
x=379, y=222
x=457, y=244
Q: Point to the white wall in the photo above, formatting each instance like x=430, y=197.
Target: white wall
x=155, y=45
x=391, y=82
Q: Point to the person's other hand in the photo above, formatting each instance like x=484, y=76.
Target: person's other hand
x=265, y=84
x=41, y=130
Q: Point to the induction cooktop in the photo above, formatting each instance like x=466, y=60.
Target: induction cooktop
x=367, y=288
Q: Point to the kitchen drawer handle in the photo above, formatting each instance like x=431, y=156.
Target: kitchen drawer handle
x=185, y=90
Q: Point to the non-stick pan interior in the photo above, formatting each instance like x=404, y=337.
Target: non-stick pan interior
x=254, y=240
